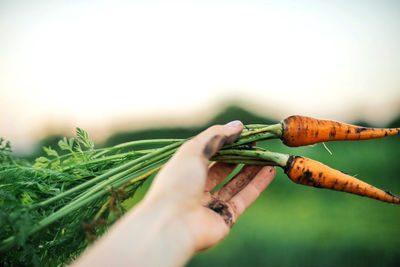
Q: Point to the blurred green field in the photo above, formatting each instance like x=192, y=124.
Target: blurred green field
x=294, y=225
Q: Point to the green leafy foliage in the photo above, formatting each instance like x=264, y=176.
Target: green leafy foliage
x=25, y=186
x=83, y=138
x=5, y=151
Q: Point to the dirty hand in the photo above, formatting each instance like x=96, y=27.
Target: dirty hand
x=179, y=214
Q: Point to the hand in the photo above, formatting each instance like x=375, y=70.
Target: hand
x=186, y=183
x=179, y=214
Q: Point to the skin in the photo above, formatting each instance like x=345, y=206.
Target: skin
x=179, y=216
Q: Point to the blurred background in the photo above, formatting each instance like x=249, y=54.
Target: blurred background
x=126, y=70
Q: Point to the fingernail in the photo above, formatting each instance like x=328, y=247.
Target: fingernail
x=234, y=124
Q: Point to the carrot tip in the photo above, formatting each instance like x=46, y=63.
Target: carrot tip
x=309, y=172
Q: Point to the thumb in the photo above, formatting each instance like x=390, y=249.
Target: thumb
x=185, y=173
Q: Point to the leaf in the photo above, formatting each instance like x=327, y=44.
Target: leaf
x=63, y=144
x=71, y=143
x=78, y=148
x=8, y=146
x=5, y=151
x=41, y=162
x=83, y=138
x=50, y=152
x=66, y=144
x=26, y=198
x=69, y=161
x=42, y=188
x=80, y=173
x=55, y=165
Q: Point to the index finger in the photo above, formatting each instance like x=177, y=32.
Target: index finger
x=186, y=172
x=242, y=200
x=208, y=142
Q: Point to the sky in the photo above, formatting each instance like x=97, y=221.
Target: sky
x=110, y=65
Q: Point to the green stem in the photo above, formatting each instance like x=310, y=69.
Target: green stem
x=255, y=126
x=140, y=176
x=108, y=174
x=245, y=161
x=119, y=175
x=250, y=139
x=110, y=158
x=138, y=143
x=62, y=212
x=275, y=129
x=277, y=158
x=131, y=144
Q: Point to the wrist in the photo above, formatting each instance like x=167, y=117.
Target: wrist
x=163, y=232
x=151, y=234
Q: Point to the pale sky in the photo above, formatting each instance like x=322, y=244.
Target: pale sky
x=102, y=65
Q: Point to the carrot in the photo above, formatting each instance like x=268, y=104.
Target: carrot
x=313, y=173
x=301, y=131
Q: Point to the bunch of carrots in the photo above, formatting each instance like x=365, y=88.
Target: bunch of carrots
x=119, y=174
x=296, y=131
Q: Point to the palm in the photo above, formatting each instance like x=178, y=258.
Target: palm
x=212, y=218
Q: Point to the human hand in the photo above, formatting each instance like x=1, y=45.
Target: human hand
x=179, y=215
x=186, y=182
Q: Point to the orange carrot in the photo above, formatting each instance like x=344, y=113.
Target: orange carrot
x=302, y=131
x=313, y=173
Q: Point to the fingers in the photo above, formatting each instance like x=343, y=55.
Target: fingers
x=186, y=173
x=237, y=183
x=242, y=200
x=209, y=141
x=231, y=200
x=217, y=173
